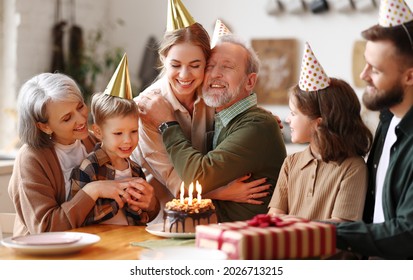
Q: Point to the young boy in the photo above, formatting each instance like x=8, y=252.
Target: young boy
x=115, y=124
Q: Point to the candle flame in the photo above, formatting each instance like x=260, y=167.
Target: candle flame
x=190, y=193
x=199, y=191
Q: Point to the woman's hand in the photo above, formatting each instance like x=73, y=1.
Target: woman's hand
x=276, y=211
x=109, y=189
x=141, y=196
x=154, y=109
x=138, y=194
x=242, y=192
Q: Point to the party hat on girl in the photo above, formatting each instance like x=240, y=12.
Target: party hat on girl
x=312, y=76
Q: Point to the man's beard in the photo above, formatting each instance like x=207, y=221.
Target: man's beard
x=380, y=99
x=219, y=100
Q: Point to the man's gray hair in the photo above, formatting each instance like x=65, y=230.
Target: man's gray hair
x=253, y=62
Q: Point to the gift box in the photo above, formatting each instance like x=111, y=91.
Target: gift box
x=268, y=237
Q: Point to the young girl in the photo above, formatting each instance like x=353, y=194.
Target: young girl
x=328, y=180
x=115, y=125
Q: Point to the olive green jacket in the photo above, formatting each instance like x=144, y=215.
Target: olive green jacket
x=250, y=143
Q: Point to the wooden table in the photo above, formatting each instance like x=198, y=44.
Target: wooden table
x=114, y=245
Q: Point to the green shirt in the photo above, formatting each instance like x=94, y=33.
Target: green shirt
x=392, y=239
x=250, y=143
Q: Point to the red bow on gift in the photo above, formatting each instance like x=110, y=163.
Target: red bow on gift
x=264, y=220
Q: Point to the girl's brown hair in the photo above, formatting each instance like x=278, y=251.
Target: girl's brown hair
x=341, y=133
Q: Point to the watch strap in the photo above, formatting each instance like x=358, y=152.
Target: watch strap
x=165, y=125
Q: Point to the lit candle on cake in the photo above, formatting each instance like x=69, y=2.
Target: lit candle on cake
x=182, y=193
x=199, y=191
x=190, y=193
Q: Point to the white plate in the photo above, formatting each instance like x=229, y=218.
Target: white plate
x=183, y=253
x=157, y=229
x=51, y=238
x=75, y=241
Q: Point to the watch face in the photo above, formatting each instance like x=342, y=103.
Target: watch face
x=165, y=125
x=162, y=127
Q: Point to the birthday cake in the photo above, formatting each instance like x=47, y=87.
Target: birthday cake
x=180, y=216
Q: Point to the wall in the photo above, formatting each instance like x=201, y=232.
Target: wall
x=6, y=205
x=28, y=49
x=8, y=71
x=35, y=30
x=1, y=39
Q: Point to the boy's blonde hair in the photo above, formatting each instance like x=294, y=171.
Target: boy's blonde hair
x=104, y=106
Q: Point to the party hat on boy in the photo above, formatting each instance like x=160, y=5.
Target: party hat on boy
x=178, y=16
x=220, y=30
x=312, y=76
x=119, y=85
x=394, y=12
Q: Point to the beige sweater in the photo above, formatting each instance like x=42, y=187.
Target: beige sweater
x=37, y=190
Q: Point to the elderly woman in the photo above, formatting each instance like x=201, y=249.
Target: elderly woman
x=55, y=137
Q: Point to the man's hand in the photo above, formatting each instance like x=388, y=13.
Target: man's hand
x=276, y=117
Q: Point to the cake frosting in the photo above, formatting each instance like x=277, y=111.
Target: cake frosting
x=182, y=217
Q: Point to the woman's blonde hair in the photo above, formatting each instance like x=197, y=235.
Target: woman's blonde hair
x=194, y=34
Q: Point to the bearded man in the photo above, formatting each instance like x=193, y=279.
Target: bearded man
x=387, y=229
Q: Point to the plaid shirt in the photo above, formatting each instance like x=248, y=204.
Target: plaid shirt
x=97, y=166
x=223, y=118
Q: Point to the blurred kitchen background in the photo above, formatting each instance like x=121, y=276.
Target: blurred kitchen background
x=85, y=38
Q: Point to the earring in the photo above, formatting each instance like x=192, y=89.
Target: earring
x=50, y=136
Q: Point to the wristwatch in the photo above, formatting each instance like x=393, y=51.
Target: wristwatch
x=165, y=125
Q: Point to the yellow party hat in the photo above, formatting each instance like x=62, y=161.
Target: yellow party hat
x=220, y=30
x=178, y=16
x=312, y=76
x=394, y=12
x=119, y=85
